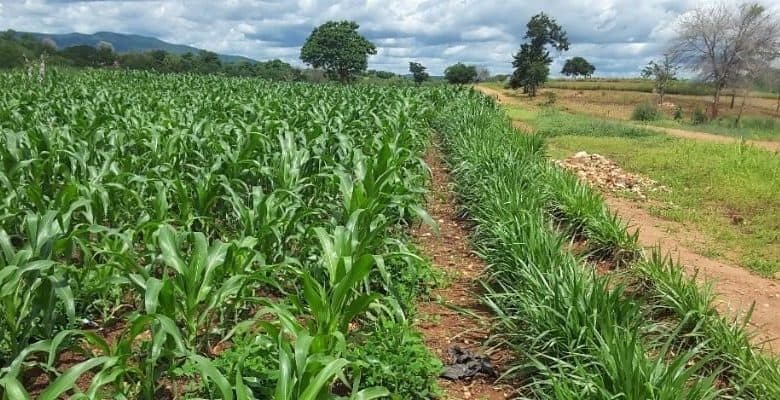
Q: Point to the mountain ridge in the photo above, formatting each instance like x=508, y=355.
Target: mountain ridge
x=127, y=43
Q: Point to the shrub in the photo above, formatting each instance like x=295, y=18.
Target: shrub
x=393, y=356
x=550, y=98
x=698, y=116
x=678, y=113
x=645, y=112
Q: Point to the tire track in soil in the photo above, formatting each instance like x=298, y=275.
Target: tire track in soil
x=441, y=326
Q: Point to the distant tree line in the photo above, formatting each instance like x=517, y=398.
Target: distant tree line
x=16, y=50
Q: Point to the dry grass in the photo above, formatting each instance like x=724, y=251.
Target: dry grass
x=619, y=104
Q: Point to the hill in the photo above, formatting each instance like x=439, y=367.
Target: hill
x=127, y=43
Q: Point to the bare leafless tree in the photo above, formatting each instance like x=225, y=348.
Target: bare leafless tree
x=483, y=74
x=726, y=45
x=49, y=44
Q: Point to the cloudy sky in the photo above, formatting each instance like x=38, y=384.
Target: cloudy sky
x=617, y=36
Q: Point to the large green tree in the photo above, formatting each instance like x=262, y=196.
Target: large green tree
x=578, y=66
x=460, y=73
x=532, y=62
x=338, y=48
x=418, y=72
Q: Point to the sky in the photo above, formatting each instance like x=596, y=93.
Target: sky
x=617, y=36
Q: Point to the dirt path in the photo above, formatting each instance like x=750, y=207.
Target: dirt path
x=504, y=99
x=442, y=326
x=707, y=137
x=496, y=94
x=736, y=288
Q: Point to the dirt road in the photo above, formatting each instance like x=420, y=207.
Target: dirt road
x=735, y=287
x=496, y=94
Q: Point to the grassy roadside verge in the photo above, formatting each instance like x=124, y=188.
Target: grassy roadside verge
x=580, y=335
x=750, y=128
x=728, y=192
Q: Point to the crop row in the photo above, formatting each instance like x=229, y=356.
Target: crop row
x=576, y=333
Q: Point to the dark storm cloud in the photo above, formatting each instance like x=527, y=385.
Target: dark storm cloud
x=618, y=36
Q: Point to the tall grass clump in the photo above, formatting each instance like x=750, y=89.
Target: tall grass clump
x=576, y=334
x=645, y=112
x=748, y=371
x=584, y=215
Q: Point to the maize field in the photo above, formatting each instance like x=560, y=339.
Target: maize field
x=178, y=236
x=146, y=219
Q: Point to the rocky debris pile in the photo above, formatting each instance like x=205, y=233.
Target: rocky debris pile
x=606, y=175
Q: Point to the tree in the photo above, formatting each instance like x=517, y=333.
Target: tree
x=188, y=61
x=725, y=45
x=418, y=72
x=483, y=74
x=663, y=73
x=105, y=53
x=11, y=54
x=8, y=35
x=81, y=55
x=380, y=74
x=207, y=62
x=770, y=81
x=158, y=59
x=277, y=70
x=578, y=66
x=338, y=48
x=460, y=74
x=532, y=62
x=49, y=45
x=171, y=63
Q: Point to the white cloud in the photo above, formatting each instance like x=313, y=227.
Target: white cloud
x=618, y=36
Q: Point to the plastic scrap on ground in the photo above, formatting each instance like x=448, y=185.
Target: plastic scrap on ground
x=467, y=365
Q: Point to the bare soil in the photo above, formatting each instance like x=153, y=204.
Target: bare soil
x=500, y=97
x=454, y=314
x=736, y=288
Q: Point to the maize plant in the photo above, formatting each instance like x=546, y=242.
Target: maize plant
x=144, y=218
